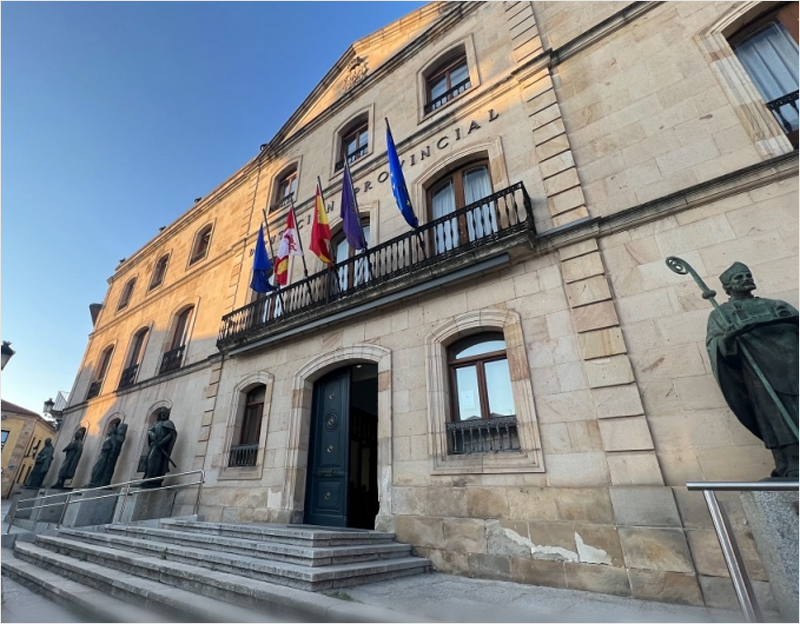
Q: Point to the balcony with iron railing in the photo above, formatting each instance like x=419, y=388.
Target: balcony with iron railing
x=352, y=157
x=493, y=435
x=243, y=455
x=171, y=360
x=459, y=241
x=128, y=377
x=447, y=96
x=94, y=389
x=786, y=113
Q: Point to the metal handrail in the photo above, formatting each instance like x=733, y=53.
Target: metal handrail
x=727, y=540
x=126, y=484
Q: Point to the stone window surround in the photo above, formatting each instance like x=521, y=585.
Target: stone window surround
x=757, y=120
x=159, y=272
x=126, y=294
x=368, y=113
x=468, y=46
x=294, y=486
x=530, y=459
x=193, y=303
x=235, y=415
x=194, y=256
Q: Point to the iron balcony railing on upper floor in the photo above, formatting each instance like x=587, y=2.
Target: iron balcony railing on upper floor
x=443, y=245
x=447, y=95
x=171, y=360
x=352, y=157
x=128, y=376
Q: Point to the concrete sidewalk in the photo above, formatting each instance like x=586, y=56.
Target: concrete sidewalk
x=436, y=597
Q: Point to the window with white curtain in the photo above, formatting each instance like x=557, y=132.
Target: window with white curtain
x=767, y=49
x=464, y=188
x=353, y=273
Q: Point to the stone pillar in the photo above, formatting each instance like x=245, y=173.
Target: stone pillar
x=773, y=517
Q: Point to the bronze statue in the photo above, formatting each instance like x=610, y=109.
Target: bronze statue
x=103, y=469
x=73, y=452
x=40, y=467
x=753, y=347
x=161, y=438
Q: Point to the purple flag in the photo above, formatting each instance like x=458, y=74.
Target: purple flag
x=351, y=221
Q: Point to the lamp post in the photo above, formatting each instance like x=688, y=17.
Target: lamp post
x=7, y=352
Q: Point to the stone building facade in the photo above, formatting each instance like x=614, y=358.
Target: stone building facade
x=24, y=433
x=520, y=388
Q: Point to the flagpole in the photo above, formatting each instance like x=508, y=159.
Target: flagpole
x=391, y=138
x=328, y=243
x=358, y=219
x=300, y=243
x=272, y=253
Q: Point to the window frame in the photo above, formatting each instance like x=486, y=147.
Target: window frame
x=126, y=294
x=353, y=131
x=180, y=328
x=201, y=244
x=285, y=188
x=159, y=272
x=338, y=238
x=100, y=374
x=478, y=361
x=529, y=459
x=135, y=357
x=239, y=393
x=457, y=174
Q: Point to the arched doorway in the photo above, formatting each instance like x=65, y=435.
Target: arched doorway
x=342, y=486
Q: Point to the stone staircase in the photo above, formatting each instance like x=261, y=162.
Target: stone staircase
x=179, y=570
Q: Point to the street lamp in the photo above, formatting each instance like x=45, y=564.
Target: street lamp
x=7, y=352
x=49, y=404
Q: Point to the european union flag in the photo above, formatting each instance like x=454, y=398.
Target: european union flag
x=399, y=188
x=262, y=267
x=353, y=230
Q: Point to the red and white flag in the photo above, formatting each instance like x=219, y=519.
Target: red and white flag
x=289, y=246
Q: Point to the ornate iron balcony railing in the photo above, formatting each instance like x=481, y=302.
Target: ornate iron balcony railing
x=352, y=157
x=493, y=435
x=128, y=377
x=94, y=389
x=171, y=360
x=790, y=99
x=447, y=95
x=243, y=455
x=437, y=247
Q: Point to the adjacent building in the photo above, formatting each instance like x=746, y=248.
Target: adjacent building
x=24, y=433
x=519, y=387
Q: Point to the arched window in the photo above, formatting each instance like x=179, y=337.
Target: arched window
x=127, y=291
x=134, y=359
x=244, y=450
x=159, y=271
x=352, y=270
x=176, y=347
x=202, y=241
x=483, y=417
x=353, y=141
x=446, y=79
x=285, y=189
x=100, y=373
x=767, y=49
x=462, y=193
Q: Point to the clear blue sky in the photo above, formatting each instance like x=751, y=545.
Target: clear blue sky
x=115, y=116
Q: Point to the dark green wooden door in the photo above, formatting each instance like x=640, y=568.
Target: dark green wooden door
x=327, y=491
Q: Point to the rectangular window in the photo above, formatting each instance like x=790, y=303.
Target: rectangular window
x=5, y=435
x=447, y=82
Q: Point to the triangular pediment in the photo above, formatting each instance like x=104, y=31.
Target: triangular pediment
x=364, y=59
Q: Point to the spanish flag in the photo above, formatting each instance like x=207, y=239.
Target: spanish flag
x=320, y=230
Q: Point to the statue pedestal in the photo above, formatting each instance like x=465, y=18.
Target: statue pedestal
x=91, y=508
x=55, y=505
x=22, y=502
x=773, y=517
x=145, y=505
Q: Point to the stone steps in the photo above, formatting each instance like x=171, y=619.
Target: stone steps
x=217, y=572
x=118, y=597
x=299, y=534
x=119, y=552
x=277, y=551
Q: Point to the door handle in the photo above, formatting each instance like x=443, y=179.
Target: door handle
x=332, y=473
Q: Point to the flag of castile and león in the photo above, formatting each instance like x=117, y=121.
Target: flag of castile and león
x=289, y=247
